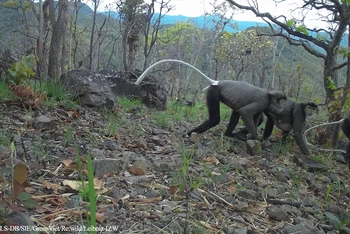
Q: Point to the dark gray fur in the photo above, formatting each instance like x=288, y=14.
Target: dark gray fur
x=290, y=117
x=245, y=100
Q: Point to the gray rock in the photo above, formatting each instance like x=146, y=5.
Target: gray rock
x=20, y=218
x=110, y=145
x=296, y=229
x=43, y=122
x=141, y=164
x=73, y=202
x=277, y=213
x=105, y=166
x=309, y=202
x=92, y=89
x=233, y=230
x=149, y=91
x=272, y=192
x=129, y=156
x=266, y=144
x=118, y=192
x=97, y=154
x=249, y=194
x=254, y=147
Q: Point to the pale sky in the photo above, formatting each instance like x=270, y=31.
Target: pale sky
x=194, y=8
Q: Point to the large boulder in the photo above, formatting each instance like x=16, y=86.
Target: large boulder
x=91, y=88
x=149, y=91
x=101, y=89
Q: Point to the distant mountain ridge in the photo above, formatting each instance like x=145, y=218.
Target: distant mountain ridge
x=201, y=21
x=207, y=21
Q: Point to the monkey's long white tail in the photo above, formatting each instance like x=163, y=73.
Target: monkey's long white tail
x=212, y=82
x=320, y=125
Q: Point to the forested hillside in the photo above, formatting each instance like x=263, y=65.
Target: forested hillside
x=240, y=55
x=86, y=149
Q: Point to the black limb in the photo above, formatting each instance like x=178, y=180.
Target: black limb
x=213, y=103
x=268, y=126
x=298, y=128
x=346, y=129
x=246, y=113
x=232, y=124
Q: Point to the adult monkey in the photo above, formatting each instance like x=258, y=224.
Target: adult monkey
x=290, y=117
x=245, y=100
x=345, y=126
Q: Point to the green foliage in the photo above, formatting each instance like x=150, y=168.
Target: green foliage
x=5, y=92
x=282, y=148
x=161, y=119
x=320, y=158
x=178, y=111
x=338, y=223
x=328, y=194
x=92, y=198
x=69, y=136
x=344, y=52
x=56, y=93
x=111, y=118
x=290, y=23
x=21, y=71
x=26, y=200
x=15, y=4
x=5, y=137
x=187, y=155
x=331, y=85
x=127, y=104
x=302, y=29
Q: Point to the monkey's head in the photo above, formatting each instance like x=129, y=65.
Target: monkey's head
x=310, y=108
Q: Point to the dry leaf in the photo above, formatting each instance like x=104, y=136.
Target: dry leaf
x=97, y=184
x=212, y=159
x=73, y=184
x=136, y=171
x=21, y=173
x=100, y=217
x=71, y=150
x=173, y=189
x=67, y=162
x=49, y=185
x=17, y=188
x=232, y=189
x=73, y=114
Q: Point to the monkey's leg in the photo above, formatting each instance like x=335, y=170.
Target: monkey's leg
x=347, y=155
x=268, y=127
x=213, y=103
x=298, y=137
x=232, y=124
x=258, y=119
x=346, y=129
x=298, y=128
x=247, y=113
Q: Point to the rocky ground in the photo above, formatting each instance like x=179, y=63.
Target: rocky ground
x=153, y=180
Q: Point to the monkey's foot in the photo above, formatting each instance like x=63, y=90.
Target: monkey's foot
x=306, y=162
x=241, y=136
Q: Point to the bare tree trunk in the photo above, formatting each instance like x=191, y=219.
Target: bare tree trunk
x=96, y=3
x=74, y=33
x=345, y=93
x=40, y=45
x=57, y=36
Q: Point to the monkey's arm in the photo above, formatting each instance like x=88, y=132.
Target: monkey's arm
x=268, y=126
x=298, y=127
